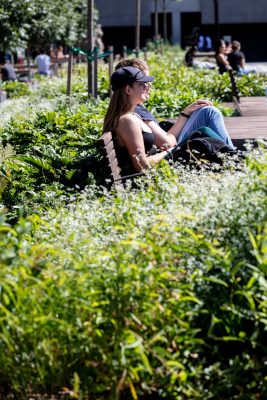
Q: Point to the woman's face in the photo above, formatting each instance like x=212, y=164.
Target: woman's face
x=222, y=48
x=141, y=90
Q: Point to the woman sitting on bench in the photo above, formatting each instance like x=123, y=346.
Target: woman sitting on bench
x=137, y=145
x=221, y=57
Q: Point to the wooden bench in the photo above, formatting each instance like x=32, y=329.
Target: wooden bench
x=204, y=54
x=60, y=60
x=24, y=72
x=113, y=170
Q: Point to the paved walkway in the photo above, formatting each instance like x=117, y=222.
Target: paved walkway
x=258, y=66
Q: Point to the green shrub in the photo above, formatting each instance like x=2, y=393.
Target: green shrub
x=16, y=89
x=160, y=290
x=157, y=291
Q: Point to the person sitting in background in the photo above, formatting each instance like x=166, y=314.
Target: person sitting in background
x=7, y=72
x=221, y=58
x=208, y=43
x=200, y=42
x=137, y=134
x=43, y=63
x=204, y=43
x=189, y=56
x=190, y=60
x=228, y=47
x=237, y=59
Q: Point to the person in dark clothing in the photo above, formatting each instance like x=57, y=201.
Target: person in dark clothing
x=7, y=72
x=142, y=143
x=203, y=116
x=136, y=143
x=189, y=56
x=237, y=59
x=221, y=57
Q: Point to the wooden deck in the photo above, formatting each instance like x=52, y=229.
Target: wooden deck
x=246, y=127
x=252, y=123
x=253, y=106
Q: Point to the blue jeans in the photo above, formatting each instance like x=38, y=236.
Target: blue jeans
x=245, y=71
x=207, y=116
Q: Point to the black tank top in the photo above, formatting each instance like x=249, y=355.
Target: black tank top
x=222, y=67
x=123, y=156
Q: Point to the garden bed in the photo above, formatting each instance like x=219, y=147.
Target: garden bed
x=157, y=291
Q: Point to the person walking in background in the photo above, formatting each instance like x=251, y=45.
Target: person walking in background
x=43, y=63
x=237, y=60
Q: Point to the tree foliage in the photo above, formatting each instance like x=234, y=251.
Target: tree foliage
x=24, y=22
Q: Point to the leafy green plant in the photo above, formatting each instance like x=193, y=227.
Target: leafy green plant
x=157, y=291
x=16, y=89
x=143, y=292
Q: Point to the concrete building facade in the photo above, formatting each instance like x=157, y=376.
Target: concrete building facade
x=243, y=20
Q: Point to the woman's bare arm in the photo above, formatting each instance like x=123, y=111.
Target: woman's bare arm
x=130, y=135
x=223, y=60
x=165, y=140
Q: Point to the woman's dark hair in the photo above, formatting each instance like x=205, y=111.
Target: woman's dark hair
x=119, y=104
x=217, y=46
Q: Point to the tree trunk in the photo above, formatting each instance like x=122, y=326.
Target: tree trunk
x=164, y=21
x=137, y=29
x=90, y=46
x=156, y=21
x=216, y=18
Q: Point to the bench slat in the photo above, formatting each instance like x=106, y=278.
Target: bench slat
x=106, y=138
x=107, y=146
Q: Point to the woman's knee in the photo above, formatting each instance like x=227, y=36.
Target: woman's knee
x=208, y=111
x=213, y=114
x=211, y=110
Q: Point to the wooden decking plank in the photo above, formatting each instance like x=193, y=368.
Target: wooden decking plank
x=253, y=106
x=247, y=127
x=258, y=120
x=247, y=135
x=252, y=99
x=253, y=122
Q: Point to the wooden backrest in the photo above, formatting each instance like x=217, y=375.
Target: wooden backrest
x=111, y=162
x=110, y=157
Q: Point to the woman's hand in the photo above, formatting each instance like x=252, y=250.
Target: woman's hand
x=195, y=106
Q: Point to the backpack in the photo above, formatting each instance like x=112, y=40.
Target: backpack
x=200, y=148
